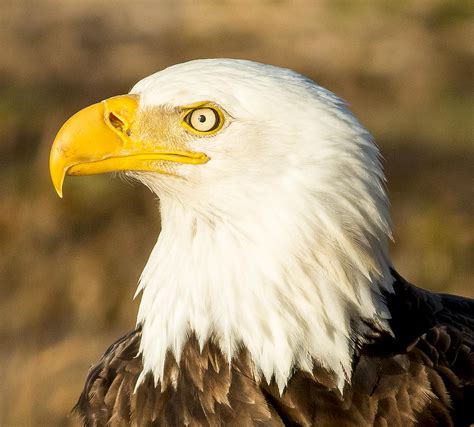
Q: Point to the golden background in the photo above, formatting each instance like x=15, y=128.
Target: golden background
x=68, y=268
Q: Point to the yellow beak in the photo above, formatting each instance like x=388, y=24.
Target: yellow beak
x=97, y=140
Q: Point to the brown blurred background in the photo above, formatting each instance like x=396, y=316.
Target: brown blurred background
x=68, y=268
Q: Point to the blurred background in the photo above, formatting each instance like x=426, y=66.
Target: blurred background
x=69, y=268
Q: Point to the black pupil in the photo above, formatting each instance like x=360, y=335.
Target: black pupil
x=202, y=118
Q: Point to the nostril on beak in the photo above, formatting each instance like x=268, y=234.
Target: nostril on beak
x=116, y=122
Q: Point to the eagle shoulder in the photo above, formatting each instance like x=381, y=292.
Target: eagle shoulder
x=434, y=340
x=110, y=384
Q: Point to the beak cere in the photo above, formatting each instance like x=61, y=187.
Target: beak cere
x=97, y=140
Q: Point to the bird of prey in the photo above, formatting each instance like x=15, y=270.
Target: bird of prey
x=270, y=297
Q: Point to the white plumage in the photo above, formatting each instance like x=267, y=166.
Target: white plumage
x=279, y=242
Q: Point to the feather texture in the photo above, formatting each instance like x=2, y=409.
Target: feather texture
x=422, y=375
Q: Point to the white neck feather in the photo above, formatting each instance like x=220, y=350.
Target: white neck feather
x=289, y=286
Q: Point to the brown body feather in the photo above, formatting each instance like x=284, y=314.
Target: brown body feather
x=423, y=375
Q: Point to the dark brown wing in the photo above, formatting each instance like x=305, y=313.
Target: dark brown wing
x=416, y=310
x=434, y=335
x=423, y=375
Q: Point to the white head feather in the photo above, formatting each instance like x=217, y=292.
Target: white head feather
x=279, y=242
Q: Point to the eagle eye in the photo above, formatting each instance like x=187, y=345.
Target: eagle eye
x=204, y=120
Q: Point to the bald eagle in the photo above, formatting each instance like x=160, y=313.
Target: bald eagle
x=270, y=297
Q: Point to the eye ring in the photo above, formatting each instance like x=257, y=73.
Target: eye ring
x=204, y=120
